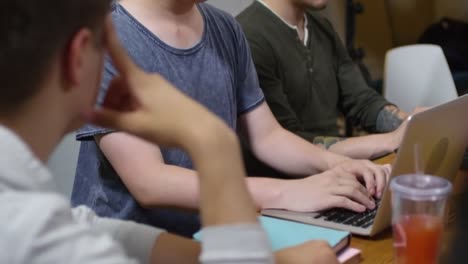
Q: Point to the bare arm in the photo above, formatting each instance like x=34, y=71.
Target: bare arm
x=140, y=165
x=291, y=154
x=282, y=149
x=390, y=120
x=364, y=147
x=286, y=151
x=153, y=183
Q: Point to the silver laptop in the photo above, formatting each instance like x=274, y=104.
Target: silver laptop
x=440, y=134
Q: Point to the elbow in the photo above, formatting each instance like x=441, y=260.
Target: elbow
x=145, y=202
x=146, y=198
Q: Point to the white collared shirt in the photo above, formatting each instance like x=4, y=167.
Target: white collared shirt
x=306, y=30
x=37, y=224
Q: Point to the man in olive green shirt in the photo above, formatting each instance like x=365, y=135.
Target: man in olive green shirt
x=309, y=79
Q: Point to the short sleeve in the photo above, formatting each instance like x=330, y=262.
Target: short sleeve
x=249, y=94
x=88, y=131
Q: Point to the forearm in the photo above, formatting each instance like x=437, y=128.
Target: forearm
x=216, y=154
x=177, y=186
x=365, y=147
x=289, y=153
x=266, y=192
x=180, y=189
x=167, y=185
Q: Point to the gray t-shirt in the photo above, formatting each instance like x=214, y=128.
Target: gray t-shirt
x=217, y=72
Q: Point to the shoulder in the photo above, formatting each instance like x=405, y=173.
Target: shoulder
x=256, y=20
x=215, y=12
x=221, y=23
x=252, y=11
x=128, y=29
x=217, y=16
x=120, y=17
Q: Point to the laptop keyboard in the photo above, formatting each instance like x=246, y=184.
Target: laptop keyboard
x=348, y=217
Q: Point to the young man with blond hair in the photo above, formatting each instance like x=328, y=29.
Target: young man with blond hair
x=203, y=51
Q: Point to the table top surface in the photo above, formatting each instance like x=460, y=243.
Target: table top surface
x=379, y=249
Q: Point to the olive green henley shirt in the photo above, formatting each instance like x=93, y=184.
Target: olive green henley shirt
x=308, y=86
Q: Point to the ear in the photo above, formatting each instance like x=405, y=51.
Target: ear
x=75, y=56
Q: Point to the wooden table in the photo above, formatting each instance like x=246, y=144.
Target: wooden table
x=379, y=249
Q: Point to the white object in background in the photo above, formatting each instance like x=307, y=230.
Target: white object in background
x=62, y=164
x=418, y=75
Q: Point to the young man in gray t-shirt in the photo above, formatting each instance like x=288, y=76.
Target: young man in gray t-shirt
x=203, y=51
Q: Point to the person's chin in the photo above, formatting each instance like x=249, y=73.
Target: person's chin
x=318, y=7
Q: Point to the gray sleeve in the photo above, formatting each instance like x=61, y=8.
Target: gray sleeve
x=240, y=244
x=136, y=239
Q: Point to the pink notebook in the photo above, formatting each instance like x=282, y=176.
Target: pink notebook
x=350, y=256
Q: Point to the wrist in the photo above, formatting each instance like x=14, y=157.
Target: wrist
x=335, y=160
x=277, y=195
x=393, y=141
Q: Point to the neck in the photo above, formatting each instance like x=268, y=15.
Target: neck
x=162, y=9
x=39, y=125
x=178, y=23
x=291, y=13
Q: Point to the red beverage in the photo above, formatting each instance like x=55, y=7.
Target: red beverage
x=416, y=239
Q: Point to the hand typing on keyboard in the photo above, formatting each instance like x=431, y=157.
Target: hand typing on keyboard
x=330, y=189
x=374, y=176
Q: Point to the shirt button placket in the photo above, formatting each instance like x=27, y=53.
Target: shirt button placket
x=309, y=61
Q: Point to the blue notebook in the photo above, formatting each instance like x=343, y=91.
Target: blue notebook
x=284, y=233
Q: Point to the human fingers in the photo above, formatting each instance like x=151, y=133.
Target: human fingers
x=355, y=190
x=338, y=201
x=383, y=181
x=380, y=175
